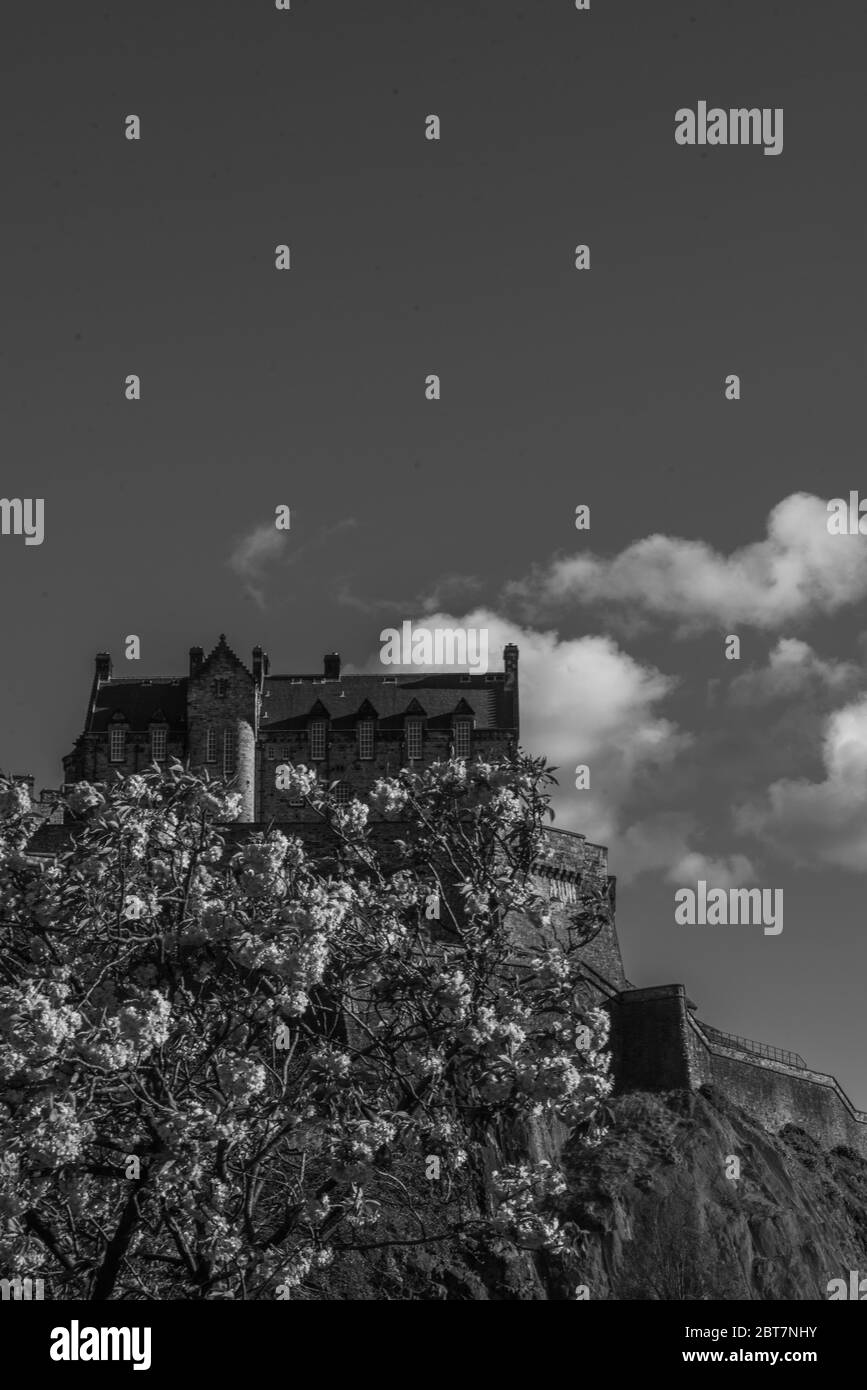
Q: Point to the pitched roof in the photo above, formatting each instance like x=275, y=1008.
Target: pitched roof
x=140, y=701
x=288, y=700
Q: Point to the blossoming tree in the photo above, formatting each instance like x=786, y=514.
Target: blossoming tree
x=227, y=1064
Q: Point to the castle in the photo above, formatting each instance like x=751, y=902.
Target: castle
x=241, y=722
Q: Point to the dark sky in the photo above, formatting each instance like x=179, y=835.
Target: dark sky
x=411, y=257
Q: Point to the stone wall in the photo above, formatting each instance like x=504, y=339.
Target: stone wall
x=657, y=1046
x=650, y=1047
x=234, y=711
x=777, y=1094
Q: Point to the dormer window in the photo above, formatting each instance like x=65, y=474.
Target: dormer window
x=117, y=743
x=414, y=739
x=317, y=740
x=221, y=688
x=366, y=730
x=159, y=740
x=463, y=733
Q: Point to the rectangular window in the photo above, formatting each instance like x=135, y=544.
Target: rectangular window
x=211, y=746
x=413, y=738
x=220, y=688
x=462, y=738
x=116, y=745
x=270, y=752
x=317, y=739
x=230, y=752
x=365, y=738
x=158, y=744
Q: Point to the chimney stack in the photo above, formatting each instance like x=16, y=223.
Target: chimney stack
x=197, y=656
x=510, y=666
x=103, y=666
x=261, y=667
x=332, y=666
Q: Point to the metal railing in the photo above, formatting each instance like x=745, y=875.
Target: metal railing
x=774, y=1054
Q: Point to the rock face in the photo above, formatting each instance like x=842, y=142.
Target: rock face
x=662, y=1220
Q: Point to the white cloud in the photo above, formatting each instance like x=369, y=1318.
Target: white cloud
x=797, y=571
x=662, y=842
x=264, y=546
x=253, y=554
x=733, y=872
x=821, y=823
x=793, y=669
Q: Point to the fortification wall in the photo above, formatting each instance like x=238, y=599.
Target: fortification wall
x=777, y=1094
x=650, y=1045
x=572, y=863
x=658, y=1046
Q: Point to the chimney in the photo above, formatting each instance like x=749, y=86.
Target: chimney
x=261, y=667
x=331, y=669
x=103, y=666
x=510, y=666
x=197, y=656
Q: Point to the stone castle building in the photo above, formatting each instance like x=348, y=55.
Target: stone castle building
x=241, y=722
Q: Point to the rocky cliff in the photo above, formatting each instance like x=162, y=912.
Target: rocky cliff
x=662, y=1219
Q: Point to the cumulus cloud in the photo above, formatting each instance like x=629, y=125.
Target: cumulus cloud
x=733, y=872
x=662, y=843
x=793, y=669
x=821, y=823
x=797, y=571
